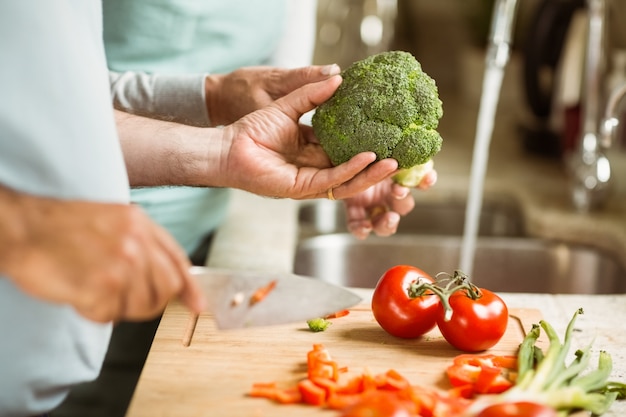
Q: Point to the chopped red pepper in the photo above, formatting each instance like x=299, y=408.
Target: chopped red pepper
x=320, y=364
x=395, y=381
x=311, y=392
x=262, y=292
x=353, y=385
x=326, y=385
x=337, y=314
x=290, y=395
x=484, y=374
x=341, y=401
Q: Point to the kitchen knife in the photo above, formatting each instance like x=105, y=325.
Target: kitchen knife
x=239, y=298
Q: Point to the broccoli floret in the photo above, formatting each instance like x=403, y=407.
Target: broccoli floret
x=386, y=104
x=318, y=324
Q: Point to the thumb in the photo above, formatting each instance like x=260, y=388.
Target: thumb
x=308, y=97
x=296, y=78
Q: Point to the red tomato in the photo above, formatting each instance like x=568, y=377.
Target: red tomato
x=380, y=404
x=396, y=312
x=519, y=409
x=476, y=324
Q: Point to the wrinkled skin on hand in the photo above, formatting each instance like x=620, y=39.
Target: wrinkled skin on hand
x=109, y=261
x=270, y=153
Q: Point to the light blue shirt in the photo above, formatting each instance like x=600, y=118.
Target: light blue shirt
x=173, y=37
x=57, y=138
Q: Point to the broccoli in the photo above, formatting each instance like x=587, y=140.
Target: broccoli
x=318, y=324
x=386, y=104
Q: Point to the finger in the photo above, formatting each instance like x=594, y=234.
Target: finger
x=108, y=291
x=296, y=78
x=399, y=201
x=428, y=181
x=140, y=294
x=333, y=178
x=192, y=295
x=362, y=179
x=309, y=135
x=398, y=191
x=307, y=97
x=188, y=289
x=163, y=277
x=107, y=303
x=386, y=224
x=357, y=220
x=360, y=228
x=149, y=296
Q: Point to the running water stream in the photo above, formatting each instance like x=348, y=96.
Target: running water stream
x=492, y=84
x=497, y=57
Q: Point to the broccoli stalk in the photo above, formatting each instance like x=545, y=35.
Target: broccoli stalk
x=554, y=383
x=387, y=105
x=412, y=177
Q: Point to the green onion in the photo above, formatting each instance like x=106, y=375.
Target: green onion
x=546, y=378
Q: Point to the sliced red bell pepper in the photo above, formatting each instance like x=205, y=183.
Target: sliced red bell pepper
x=485, y=374
x=340, y=401
x=320, y=364
x=352, y=385
x=326, y=386
x=330, y=386
x=337, y=314
x=263, y=389
x=262, y=292
x=290, y=395
x=395, y=381
x=312, y=393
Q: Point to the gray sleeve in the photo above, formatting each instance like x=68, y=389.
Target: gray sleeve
x=178, y=98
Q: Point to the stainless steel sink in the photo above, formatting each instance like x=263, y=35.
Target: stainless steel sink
x=499, y=217
x=506, y=260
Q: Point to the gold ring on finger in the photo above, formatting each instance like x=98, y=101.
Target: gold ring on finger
x=330, y=194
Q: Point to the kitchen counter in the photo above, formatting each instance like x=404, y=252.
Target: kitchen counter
x=261, y=234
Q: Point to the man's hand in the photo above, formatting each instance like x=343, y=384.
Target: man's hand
x=269, y=153
x=109, y=261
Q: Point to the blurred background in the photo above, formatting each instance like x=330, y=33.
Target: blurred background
x=540, y=99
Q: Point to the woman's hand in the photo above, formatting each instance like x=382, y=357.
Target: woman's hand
x=231, y=96
x=380, y=208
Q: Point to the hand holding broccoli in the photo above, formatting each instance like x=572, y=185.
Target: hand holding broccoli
x=268, y=152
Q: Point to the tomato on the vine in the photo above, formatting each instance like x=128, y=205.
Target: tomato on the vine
x=399, y=313
x=478, y=321
x=518, y=409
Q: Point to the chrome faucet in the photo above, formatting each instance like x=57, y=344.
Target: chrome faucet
x=611, y=120
x=590, y=170
x=501, y=33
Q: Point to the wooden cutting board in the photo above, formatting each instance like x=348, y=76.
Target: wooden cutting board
x=212, y=375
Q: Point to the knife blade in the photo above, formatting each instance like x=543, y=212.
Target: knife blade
x=231, y=297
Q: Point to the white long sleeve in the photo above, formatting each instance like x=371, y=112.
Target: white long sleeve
x=179, y=98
